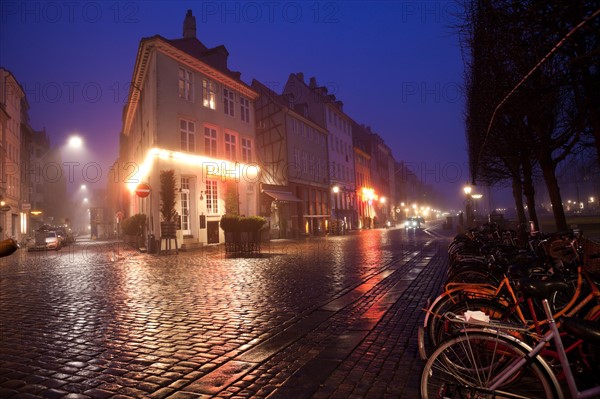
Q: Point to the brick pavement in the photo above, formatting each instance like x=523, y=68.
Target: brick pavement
x=332, y=317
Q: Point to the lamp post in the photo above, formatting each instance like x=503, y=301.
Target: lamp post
x=468, y=205
x=336, y=191
x=383, y=211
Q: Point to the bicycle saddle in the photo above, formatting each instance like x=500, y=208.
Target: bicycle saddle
x=541, y=289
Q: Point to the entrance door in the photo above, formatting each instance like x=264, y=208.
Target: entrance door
x=212, y=231
x=186, y=227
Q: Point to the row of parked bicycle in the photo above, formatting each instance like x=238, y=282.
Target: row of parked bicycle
x=515, y=321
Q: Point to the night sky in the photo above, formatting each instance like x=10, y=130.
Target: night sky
x=396, y=65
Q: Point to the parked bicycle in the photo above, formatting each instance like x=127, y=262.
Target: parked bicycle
x=488, y=360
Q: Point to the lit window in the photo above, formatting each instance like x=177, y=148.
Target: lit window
x=230, y=146
x=187, y=132
x=212, y=203
x=246, y=150
x=185, y=84
x=210, y=141
x=228, y=102
x=209, y=96
x=245, y=109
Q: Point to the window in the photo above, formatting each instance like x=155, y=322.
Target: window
x=210, y=141
x=187, y=131
x=304, y=162
x=230, y=146
x=228, y=102
x=245, y=109
x=246, y=150
x=185, y=84
x=212, y=204
x=209, y=90
x=297, y=158
x=185, y=205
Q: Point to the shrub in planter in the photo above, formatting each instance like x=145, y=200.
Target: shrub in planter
x=241, y=233
x=252, y=224
x=230, y=223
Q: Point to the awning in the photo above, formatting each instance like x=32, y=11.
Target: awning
x=282, y=196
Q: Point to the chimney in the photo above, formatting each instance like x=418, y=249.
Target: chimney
x=313, y=82
x=189, y=26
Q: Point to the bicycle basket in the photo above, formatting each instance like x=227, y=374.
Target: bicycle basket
x=591, y=256
x=562, y=250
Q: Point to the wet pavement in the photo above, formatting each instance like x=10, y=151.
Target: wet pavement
x=329, y=317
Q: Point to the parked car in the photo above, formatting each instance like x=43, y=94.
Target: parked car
x=52, y=240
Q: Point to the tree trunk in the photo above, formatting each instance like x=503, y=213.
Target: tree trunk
x=549, y=172
x=517, y=189
x=529, y=191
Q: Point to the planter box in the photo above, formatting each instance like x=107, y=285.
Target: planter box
x=242, y=243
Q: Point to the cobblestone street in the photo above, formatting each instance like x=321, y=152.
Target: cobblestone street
x=331, y=317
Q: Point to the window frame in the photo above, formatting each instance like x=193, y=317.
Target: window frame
x=230, y=146
x=185, y=86
x=246, y=147
x=210, y=141
x=244, y=109
x=188, y=133
x=228, y=102
x=211, y=194
x=209, y=94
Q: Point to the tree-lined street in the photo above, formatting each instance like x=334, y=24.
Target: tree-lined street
x=325, y=317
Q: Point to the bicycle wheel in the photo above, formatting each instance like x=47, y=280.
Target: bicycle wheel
x=465, y=366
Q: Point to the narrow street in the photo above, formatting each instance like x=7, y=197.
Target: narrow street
x=330, y=317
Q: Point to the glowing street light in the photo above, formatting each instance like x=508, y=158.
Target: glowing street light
x=336, y=191
x=75, y=142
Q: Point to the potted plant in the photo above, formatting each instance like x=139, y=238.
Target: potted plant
x=167, y=203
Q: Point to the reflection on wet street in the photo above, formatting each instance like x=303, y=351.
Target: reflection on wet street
x=77, y=322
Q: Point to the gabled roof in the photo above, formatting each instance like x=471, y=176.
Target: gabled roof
x=189, y=52
x=281, y=101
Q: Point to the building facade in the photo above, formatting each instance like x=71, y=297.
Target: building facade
x=13, y=218
x=292, y=151
x=188, y=112
x=327, y=111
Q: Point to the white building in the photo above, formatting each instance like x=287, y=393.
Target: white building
x=188, y=112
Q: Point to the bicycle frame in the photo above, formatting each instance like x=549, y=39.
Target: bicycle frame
x=552, y=335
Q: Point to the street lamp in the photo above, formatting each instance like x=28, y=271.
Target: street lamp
x=336, y=191
x=75, y=142
x=468, y=204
